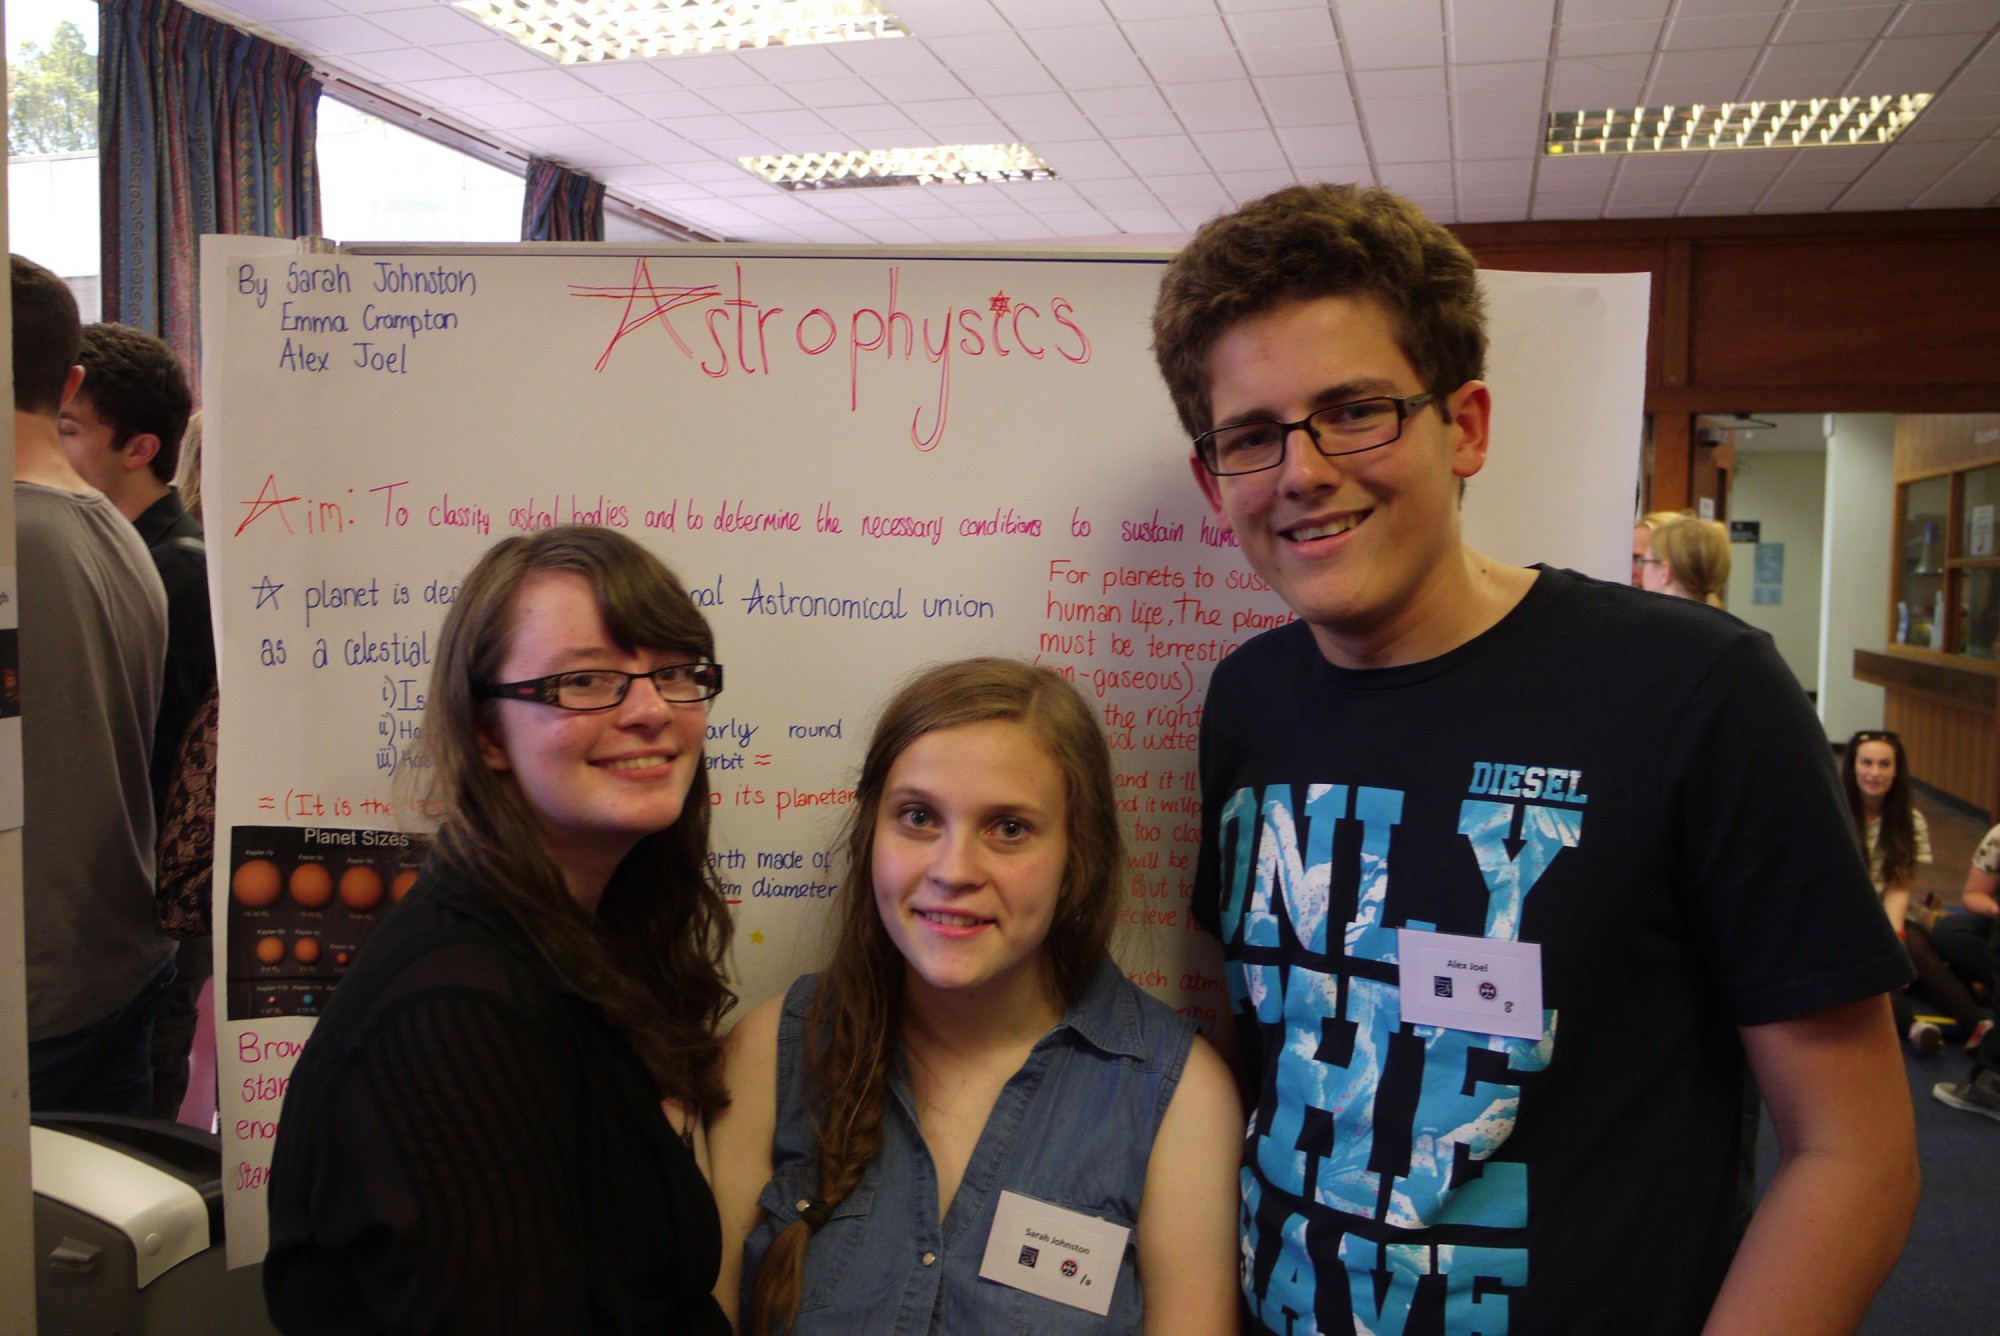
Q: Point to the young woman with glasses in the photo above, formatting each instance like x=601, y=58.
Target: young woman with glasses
x=1875, y=773
x=972, y=1122
x=475, y=1138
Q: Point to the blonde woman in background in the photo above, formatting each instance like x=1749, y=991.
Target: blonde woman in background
x=1689, y=558
x=187, y=479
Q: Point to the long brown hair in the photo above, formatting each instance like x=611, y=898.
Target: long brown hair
x=651, y=957
x=1896, y=837
x=854, y=1022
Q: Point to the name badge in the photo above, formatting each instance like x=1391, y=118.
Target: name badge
x=1059, y=1254
x=1481, y=984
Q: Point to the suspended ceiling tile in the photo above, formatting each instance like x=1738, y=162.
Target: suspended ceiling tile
x=1709, y=76
x=739, y=98
x=495, y=56
x=1300, y=100
x=1155, y=153
x=1400, y=85
x=1950, y=16
x=344, y=36
x=1028, y=14
x=1241, y=150
x=1818, y=69
x=1323, y=143
x=1599, y=81
x=1499, y=30
x=1861, y=23
x=1179, y=39
x=1011, y=80
x=1717, y=31
x=1915, y=64
x=1408, y=141
x=673, y=104
x=1284, y=27
x=400, y=67
x=1508, y=76
x=1606, y=39
x=1613, y=11
x=1322, y=61
x=1229, y=104
x=458, y=90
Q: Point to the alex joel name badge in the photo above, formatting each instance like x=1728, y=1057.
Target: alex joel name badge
x=1482, y=984
x=1059, y=1254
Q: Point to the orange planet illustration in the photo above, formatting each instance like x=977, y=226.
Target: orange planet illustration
x=255, y=885
x=400, y=887
x=270, y=950
x=312, y=885
x=306, y=950
x=361, y=889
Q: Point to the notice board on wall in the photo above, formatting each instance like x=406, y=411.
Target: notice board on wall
x=858, y=461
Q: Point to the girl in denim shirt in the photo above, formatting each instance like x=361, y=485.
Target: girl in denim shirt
x=916, y=1136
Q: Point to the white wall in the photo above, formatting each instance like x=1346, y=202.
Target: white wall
x=1860, y=516
x=1785, y=494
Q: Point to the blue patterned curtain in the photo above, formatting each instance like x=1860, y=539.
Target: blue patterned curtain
x=561, y=205
x=204, y=129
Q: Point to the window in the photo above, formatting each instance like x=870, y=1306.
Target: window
x=52, y=141
x=379, y=182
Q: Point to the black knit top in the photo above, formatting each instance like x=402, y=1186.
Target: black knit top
x=467, y=1146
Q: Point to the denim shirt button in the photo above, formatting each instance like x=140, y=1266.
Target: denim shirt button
x=929, y=1258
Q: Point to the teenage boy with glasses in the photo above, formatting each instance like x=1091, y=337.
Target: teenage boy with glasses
x=1606, y=825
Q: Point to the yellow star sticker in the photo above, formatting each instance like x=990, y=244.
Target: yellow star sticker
x=757, y=937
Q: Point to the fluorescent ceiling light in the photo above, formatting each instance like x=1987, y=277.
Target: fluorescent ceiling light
x=943, y=165
x=571, y=31
x=1815, y=122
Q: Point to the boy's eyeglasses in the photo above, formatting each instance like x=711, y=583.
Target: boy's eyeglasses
x=1343, y=429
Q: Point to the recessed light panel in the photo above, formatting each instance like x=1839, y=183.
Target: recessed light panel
x=943, y=165
x=572, y=31
x=1816, y=122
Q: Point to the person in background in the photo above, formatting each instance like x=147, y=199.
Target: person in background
x=1979, y=1092
x=1642, y=539
x=187, y=478
x=1969, y=942
x=1526, y=778
x=972, y=1049
x=1689, y=559
x=122, y=431
x=474, y=1139
x=1875, y=773
x=93, y=636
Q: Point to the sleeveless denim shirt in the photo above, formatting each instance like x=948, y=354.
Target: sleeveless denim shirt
x=1073, y=1127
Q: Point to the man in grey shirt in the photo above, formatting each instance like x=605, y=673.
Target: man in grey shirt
x=93, y=640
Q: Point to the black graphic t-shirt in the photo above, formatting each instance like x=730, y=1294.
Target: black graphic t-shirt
x=1633, y=784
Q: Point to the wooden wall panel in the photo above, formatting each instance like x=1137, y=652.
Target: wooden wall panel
x=1804, y=313
x=1951, y=747
x=1932, y=443
x=1885, y=310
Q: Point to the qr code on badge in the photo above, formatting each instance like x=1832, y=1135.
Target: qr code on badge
x=1441, y=985
x=1028, y=1255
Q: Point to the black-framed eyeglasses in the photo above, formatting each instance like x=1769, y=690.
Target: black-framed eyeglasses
x=1875, y=735
x=604, y=688
x=1343, y=429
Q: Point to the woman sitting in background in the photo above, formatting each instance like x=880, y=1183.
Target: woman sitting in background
x=973, y=1062
x=1896, y=838
x=1689, y=558
x=474, y=1138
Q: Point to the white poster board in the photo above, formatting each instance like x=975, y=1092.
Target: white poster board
x=859, y=462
